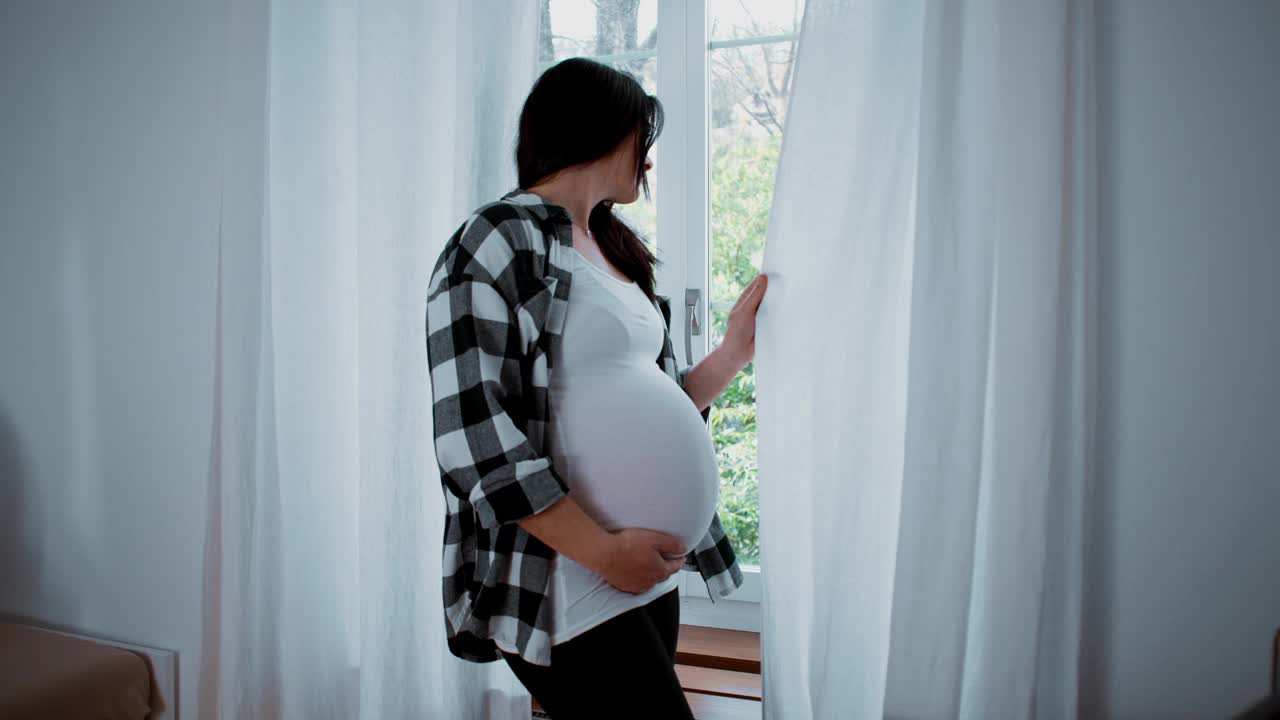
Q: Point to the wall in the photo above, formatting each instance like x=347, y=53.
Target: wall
x=110, y=169
x=1185, y=587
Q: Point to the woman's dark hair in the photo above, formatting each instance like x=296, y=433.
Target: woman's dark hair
x=579, y=111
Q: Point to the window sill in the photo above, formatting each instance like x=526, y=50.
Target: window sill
x=707, y=647
x=720, y=672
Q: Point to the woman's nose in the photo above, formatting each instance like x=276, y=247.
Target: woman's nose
x=648, y=164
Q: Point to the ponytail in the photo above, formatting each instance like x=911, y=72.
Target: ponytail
x=623, y=248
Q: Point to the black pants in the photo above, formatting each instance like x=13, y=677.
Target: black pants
x=621, y=668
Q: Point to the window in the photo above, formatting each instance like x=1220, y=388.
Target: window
x=723, y=70
x=752, y=55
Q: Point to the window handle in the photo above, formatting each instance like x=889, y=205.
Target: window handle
x=691, y=325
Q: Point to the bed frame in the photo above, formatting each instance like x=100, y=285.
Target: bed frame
x=163, y=665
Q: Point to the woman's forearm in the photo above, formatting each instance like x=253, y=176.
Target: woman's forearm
x=710, y=376
x=569, y=530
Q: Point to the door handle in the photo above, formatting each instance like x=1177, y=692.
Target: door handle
x=691, y=325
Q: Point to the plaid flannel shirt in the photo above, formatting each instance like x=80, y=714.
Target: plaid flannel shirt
x=496, y=302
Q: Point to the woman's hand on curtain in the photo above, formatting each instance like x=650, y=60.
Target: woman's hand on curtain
x=740, y=335
x=707, y=379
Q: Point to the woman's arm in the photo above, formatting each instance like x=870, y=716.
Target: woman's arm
x=630, y=559
x=568, y=530
x=473, y=339
x=710, y=376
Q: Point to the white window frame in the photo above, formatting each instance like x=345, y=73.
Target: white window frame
x=683, y=196
x=684, y=215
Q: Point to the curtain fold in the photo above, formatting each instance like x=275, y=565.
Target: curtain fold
x=926, y=378
x=378, y=125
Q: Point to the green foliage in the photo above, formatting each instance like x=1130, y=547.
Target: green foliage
x=742, y=172
x=743, y=167
x=733, y=426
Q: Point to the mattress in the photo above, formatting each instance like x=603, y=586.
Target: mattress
x=49, y=675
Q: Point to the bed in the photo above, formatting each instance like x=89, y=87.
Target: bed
x=52, y=674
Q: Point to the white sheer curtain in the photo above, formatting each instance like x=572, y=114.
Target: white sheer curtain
x=925, y=365
x=378, y=126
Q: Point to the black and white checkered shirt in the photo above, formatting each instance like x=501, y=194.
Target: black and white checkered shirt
x=497, y=297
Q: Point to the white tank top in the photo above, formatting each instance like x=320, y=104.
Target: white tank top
x=632, y=447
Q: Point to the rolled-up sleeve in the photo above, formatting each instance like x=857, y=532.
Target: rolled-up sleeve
x=475, y=353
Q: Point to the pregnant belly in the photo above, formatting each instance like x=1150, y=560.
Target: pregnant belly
x=635, y=452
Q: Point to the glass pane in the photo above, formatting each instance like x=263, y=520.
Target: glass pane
x=733, y=427
x=750, y=88
x=736, y=19
x=596, y=27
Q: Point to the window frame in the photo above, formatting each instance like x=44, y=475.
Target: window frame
x=684, y=212
x=683, y=193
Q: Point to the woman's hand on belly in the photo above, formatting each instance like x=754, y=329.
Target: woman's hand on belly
x=634, y=561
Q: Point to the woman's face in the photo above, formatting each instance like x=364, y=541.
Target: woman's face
x=622, y=165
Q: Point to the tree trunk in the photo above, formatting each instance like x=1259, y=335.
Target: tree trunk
x=546, y=51
x=616, y=22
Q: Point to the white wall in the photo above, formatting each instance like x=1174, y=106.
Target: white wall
x=109, y=206
x=1186, y=584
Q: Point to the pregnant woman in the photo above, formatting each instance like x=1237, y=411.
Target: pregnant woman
x=578, y=473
